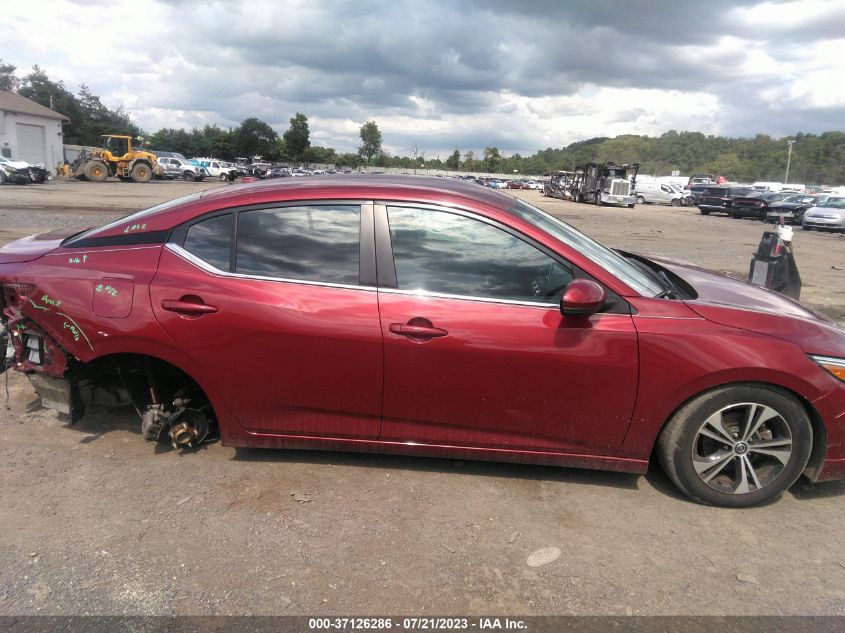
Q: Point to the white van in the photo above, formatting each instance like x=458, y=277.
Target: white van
x=660, y=193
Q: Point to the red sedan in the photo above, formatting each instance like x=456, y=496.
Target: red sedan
x=427, y=317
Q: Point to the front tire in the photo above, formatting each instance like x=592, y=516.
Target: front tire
x=188, y=176
x=737, y=446
x=96, y=171
x=141, y=172
x=640, y=200
x=676, y=202
x=224, y=177
x=704, y=211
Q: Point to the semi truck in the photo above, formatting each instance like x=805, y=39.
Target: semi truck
x=605, y=183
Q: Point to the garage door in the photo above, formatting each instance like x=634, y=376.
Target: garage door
x=31, y=144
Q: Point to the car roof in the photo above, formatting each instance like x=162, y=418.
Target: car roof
x=423, y=189
x=363, y=185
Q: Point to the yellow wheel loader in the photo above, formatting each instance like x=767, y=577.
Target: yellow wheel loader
x=117, y=157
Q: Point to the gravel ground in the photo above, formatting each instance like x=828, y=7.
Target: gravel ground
x=96, y=521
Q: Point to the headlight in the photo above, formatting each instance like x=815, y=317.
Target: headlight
x=834, y=366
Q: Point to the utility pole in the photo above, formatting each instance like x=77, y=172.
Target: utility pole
x=788, y=160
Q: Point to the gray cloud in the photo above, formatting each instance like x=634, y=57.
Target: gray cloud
x=482, y=72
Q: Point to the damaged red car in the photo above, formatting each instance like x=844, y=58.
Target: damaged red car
x=425, y=317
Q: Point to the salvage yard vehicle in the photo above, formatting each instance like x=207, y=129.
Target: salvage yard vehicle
x=117, y=157
x=426, y=316
x=216, y=168
x=605, y=183
x=828, y=216
x=175, y=167
x=259, y=170
x=755, y=204
x=791, y=210
x=19, y=172
x=719, y=199
x=655, y=192
x=555, y=184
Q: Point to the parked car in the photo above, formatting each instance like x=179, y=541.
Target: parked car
x=277, y=172
x=258, y=169
x=469, y=324
x=175, y=167
x=513, y=184
x=695, y=192
x=21, y=173
x=827, y=216
x=719, y=198
x=653, y=192
x=702, y=179
x=792, y=208
x=223, y=171
x=755, y=204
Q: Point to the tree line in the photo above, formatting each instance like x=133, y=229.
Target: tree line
x=816, y=158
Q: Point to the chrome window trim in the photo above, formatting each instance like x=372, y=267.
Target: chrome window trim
x=205, y=266
x=425, y=294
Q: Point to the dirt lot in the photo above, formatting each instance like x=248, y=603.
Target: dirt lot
x=96, y=521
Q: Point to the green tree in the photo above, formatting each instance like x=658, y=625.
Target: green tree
x=212, y=140
x=38, y=87
x=492, y=159
x=254, y=137
x=296, y=137
x=170, y=140
x=282, y=150
x=97, y=119
x=348, y=159
x=454, y=160
x=8, y=79
x=370, y=142
x=470, y=164
x=317, y=154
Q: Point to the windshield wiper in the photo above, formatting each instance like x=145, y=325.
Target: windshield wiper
x=671, y=291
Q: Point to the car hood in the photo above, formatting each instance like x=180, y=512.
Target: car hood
x=735, y=303
x=719, y=289
x=788, y=206
x=32, y=247
x=17, y=164
x=821, y=211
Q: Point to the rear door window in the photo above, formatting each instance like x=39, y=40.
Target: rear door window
x=211, y=240
x=308, y=243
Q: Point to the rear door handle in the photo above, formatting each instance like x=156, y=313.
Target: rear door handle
x=187, y=307
x=417, y=331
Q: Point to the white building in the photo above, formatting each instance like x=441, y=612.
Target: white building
x=30, y=132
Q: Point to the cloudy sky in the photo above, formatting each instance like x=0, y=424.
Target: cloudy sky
x=518, y=75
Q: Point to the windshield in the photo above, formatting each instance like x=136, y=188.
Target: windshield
x=612, y=261
x=835, y=203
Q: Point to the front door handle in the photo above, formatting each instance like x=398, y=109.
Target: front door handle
x=413, y=330
x=187, y=307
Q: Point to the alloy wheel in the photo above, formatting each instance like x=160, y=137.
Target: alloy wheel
x=742, y=448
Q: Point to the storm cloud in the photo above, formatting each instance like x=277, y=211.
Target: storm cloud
x=443, y=75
